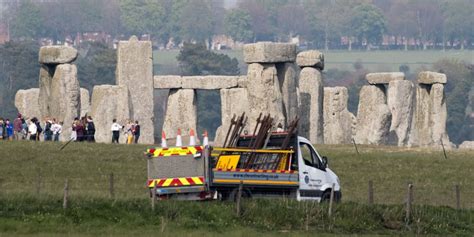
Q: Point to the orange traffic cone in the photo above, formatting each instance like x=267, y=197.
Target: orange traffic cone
x=192, y=138
x=163, y=140
x=205, y=140
x=179, y=140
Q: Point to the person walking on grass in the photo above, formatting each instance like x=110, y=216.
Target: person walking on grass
x=33, y=129
x=9, y=130
x=17, y=126
x=57, y=129
x=136, y=131
x=48, y=133
x=115, y=131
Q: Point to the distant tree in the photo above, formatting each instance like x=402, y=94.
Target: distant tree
x=96, y=65
x=28, y=21
x=368, y=23
x=401, y=18
x=459, y=20
x=196, y=22
x=19, y=69
x=238, y=25
x=428, y=20
x=264, y=17
x=143, y=16
x=195, y=59
x=460, y=81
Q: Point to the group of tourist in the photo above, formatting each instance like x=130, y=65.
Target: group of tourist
x=131, y=131
x=83, y=129
x=31, y=129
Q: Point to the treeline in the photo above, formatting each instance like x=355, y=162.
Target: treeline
x=409, y=24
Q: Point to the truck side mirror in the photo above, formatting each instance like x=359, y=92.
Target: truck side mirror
x=325, y=162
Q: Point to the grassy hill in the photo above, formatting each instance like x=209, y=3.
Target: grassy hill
x=27, y=168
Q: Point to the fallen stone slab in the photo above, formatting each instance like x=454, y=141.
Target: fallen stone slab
x=310, y=58
x=428, y=77
x=384, y=77
x=468, y=145
x=57, y=54
x=269, y=52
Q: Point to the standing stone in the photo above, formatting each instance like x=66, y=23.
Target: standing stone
x=373, y=116
x=181, y=112
x=264, y=93
x=421, y=127
x=135, y=71
x=109, y=102
x=233, y=101
x=337, y=119
x=288, y=79
x=64, y=101
x=311, y=109
x=439, y=115
x=45, y=78
x=26, y=101
x=400, y=99
x=85, y=102
x=57, y=54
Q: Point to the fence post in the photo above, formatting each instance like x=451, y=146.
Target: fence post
x=409, y=202
x=331, y=200
x=111, y=185
x=1, y=186
x=66, y=193
x=239, y=196
x=458, y=196
x=153, y=198
x=371, y=192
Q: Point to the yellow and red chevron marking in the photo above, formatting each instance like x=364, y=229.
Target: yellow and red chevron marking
x=258, y=171
x=174, y=151
x=176, y=182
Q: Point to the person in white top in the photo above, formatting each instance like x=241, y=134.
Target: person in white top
x=57, y=129
x=32, y=129
x=115, y=131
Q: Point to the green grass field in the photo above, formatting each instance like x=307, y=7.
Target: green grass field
x=32, y=179
x=342, y=59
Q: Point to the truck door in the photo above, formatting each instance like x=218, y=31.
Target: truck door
x=312, y=173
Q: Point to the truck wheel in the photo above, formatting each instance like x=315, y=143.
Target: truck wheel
x=235, y=191
x=326, y=196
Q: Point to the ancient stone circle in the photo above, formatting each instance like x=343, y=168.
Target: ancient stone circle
x=280, y=82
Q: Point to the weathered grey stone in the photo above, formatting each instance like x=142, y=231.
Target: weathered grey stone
x=468, y=145
x=85, y=102
x=135, y=70
x=373, y=116
x=242, y=82
x=64, y=100
x=337, y=119
x=269, y=52
x=310, y=58
x=384, y=77
x=109, y=102
x=181, y=112
x=264, y=93
x=26, y=101
x=439, y=115
x=400, y=100
x=288, y=79
x=311, y=108
x=427, y=77
x=167, y=82
x=429, y=124
x=45, y=79
x=57, y=54
x=233, y=101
